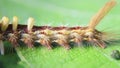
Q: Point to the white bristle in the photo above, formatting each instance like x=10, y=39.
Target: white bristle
x=1, y=47
x=5, y=23
x=30, y=24
x=15, y=23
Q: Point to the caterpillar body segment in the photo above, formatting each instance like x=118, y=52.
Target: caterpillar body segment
x=46, y=35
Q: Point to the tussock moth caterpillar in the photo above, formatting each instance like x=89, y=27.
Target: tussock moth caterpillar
x=46, y=35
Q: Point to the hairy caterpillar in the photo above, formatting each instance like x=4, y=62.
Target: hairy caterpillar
x=46, y=35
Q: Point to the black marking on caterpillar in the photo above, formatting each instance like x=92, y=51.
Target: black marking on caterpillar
x=46, y=35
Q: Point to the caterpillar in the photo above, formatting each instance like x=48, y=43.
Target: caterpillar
x=46, y=35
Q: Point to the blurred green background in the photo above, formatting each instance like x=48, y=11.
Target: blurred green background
x=59, y=13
